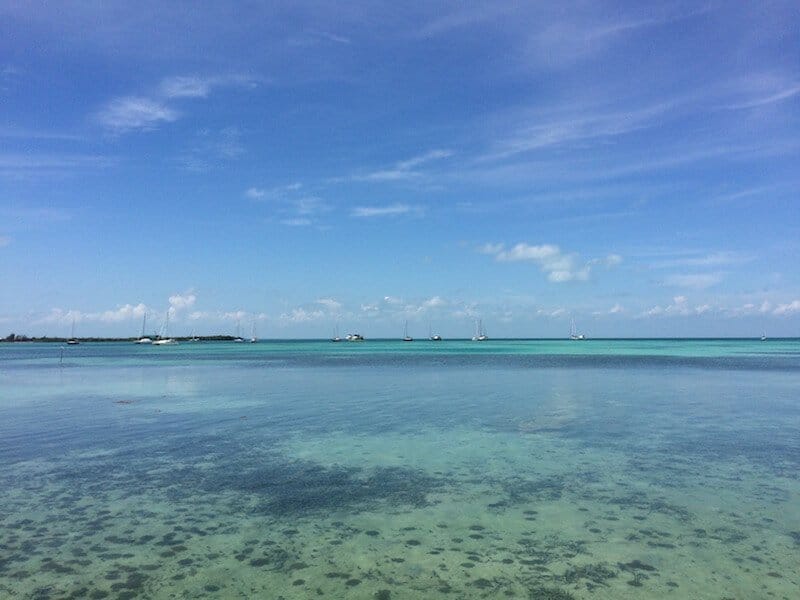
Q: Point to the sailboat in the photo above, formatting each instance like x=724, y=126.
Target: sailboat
x=163, y=337
x=573, y=332
x=253, y=338
x=238, y=339
x=144, y=339
x=73, y=341
x=763, y=336
x=434, y=337
x=480, y=334
x=336, y=337
x=406, y=337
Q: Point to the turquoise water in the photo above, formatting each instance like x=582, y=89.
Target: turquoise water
x=513, y=469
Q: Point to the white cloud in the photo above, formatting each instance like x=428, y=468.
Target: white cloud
x=552, y=313
x=702, y=309
x=696, y=281
x=558, y=266
x=185, y=87
x=491, y=249
x=612, y=260
x=296, y=222
x=680, y=307
x=255, y=193
x=789, y=308
x=126, y=114
x=330, y=304
x=616, y=309
x=4, y=241
x=434, y=302
x=391, y=210
x=654, y=312
x=179, y=302
x=301, y=315
x=122, y=313
x=234, y=315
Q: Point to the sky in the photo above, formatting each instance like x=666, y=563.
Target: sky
x=306, y=165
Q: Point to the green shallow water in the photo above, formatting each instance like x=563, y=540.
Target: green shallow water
x=510, y=469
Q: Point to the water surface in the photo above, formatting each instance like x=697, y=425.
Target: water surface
x=519, y=469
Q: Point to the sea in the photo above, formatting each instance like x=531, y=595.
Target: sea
x=530, y=469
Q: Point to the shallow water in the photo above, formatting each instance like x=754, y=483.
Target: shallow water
x=519, y=469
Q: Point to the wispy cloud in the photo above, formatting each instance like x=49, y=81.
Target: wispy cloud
x=147, y=112
x=577, y=126
x=391, y=210
x=297, y=222
x=125, y=312
x=584, y=34
x=404, y=169
x=281, y=192
x=303, y=315
x=679, y=307
x=616, y=309
x=712, y=259
x=34, y=214
x=212, y=147
x=788, y=308
x=127, y=114
x=28, y=134
x=763, y=89
x=295, y=206
x=20, y=166
x=698, y=281
x=185, y=87
x=313, y=38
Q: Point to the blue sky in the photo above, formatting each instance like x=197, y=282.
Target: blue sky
x=631, y=165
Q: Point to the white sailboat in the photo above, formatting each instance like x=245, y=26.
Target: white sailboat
x=144, y=339
x=238, y=339
x=163, y=337
x=573, y=332
x=480, y=334
x=406, y=337
x=73, y=341
x=253, y=338
x=764, y=336
x=336, y=337
x=434, y=337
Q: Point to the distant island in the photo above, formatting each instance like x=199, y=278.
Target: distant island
x=13, y=337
